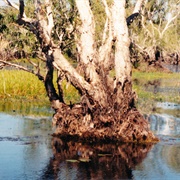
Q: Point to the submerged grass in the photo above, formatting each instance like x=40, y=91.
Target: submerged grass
x=17, y=84
x=26, y=108
x=168, y=79
x=157, y=86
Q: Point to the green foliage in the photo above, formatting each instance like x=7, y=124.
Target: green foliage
x=65, y=22
x=21, y=42
x=100, y=18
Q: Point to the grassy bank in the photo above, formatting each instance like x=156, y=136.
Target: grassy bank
x=16, y=84
x=20, y=85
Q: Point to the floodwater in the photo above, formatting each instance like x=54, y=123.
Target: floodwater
x=172, y=68
x=28, y=151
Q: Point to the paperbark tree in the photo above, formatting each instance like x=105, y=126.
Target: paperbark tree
x=107, y=109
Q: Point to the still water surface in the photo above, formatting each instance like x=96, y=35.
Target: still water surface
x=28, y=151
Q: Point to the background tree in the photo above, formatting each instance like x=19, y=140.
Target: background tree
x=17, y=42
x=106, y=109
x=156, y=36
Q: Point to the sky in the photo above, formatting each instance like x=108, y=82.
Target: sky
x=2, y=2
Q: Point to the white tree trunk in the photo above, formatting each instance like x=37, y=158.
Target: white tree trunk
x=138, y=6
x=87, y=49
x=86, y=44
x=122, y=58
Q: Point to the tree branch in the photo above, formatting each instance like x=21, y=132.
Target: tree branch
x=49, y=16
x=107, y=41
x=51, y=91
x=22, y=19
x=168, y=24
x=120, y=34
x=21, y=9
x=138, y=6
x=86, y=44
x=131, y=18
x=44, y=26
x=135, y=13
x=77, y=80
x=4, y=63
x=87, y=30
x=63, y=65
x=108, y=23
x=11, y=4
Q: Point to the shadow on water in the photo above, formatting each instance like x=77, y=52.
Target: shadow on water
x=75, y=160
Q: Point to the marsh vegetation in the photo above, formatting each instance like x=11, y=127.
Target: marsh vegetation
x=150, y=87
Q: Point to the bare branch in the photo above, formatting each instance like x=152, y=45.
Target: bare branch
x=143, y=25
x=12, y=4
x=76, y=79
x=108, y=13
x=5, y=63
x=107, y=38
x=22, y=19
x=34, y=64
x=16, y=66
x=63, y=65
x=108, y=22
x=168, y=24
x=138, y=6
x=60, y=36
x=120, y=33
x=131, y=18
x=21, y=9
x=49, y=16
x=44, y=26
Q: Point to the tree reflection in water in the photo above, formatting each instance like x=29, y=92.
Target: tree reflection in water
x=75, y=160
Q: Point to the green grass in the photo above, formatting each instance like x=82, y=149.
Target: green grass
x=70, y=93
x=16, y=84
x=147, y=76
x=20, y=85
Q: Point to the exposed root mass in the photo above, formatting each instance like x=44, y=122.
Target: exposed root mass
x=101, y=126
